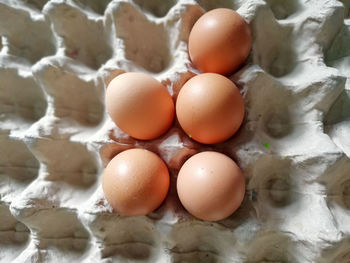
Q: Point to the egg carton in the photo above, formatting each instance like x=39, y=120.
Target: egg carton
x=56, y=60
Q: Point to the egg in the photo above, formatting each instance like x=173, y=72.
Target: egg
x=210, y=108
x=219, y=41
x=135, y=182
x=210, y=186
x=139, y=105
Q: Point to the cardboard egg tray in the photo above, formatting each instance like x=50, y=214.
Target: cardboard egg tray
x=56, y=60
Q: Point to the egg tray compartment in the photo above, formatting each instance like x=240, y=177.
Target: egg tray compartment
x=55, y=62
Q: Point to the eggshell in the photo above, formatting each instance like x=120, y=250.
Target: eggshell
x=140, y=105
x=210, y=186
x=135, y=182
x=210, y=108
x=219, y=41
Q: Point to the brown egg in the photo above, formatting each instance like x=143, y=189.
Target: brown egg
x=219, y=41
x=135, y=182
x=210, y=186
x=140, y=105
x=210, y=108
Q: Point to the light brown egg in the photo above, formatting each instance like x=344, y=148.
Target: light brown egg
x=135, y=182
x=219, y=41
x=210, y=108
x=210, y=186
x=140, y=105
